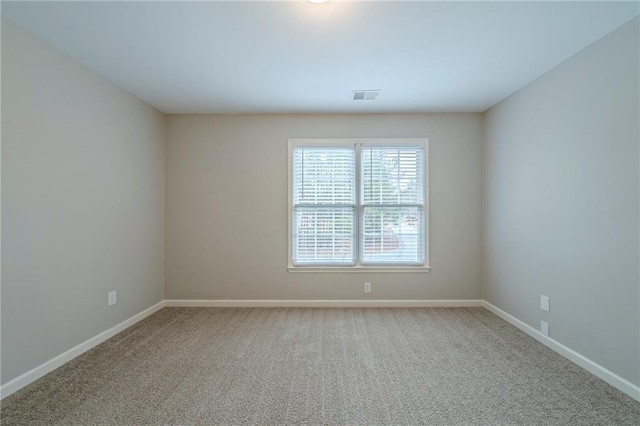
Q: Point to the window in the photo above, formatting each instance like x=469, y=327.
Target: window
x=358, y=204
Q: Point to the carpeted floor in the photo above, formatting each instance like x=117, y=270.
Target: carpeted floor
x=320, y=366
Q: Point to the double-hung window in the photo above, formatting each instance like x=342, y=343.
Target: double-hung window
x=358, y=205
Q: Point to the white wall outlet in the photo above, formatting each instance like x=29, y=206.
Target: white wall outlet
x=112, y=298
x=544, y=303
x=367, y=287
x=544, y=328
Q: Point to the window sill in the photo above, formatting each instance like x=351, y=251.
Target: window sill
x=357, y=269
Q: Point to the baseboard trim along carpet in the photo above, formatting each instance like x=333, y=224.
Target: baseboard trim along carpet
x=34, y=374
x=584, y=362
x=594, y=368
x=403, y=303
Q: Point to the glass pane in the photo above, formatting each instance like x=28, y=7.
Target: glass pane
x=323, y=236
x=392, y=175
x=324, y=176
x=392, y=235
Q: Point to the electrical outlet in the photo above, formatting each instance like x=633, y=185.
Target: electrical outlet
x=112, y=298
x=544, y=328
x=544, y=303
x=367, y=287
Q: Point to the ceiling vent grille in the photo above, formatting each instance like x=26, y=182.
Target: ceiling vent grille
x=365, y=95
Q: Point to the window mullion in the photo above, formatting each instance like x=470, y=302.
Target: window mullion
x=358, y=213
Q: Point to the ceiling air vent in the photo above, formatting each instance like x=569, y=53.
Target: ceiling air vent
x=365, y=95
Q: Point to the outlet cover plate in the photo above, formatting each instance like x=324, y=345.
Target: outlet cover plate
x=544, y=303
x=112, y=298
x=544, y=328
x=367, y=287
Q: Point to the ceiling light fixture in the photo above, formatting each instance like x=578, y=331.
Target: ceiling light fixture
x=317, y=1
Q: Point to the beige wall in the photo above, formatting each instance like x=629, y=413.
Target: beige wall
x=83, y=203
x=561, y=203
x=226, y=207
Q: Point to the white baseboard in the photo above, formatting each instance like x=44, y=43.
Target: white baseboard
x=403, y=303
x=34, y=374
x=596, y=369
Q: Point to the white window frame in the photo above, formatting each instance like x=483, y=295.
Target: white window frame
x=359, y=267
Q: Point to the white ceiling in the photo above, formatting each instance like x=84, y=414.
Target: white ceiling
x=253, y=57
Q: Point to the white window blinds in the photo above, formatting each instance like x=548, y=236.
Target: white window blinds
x=358, y=203
x=324, y=198
x=392, y=202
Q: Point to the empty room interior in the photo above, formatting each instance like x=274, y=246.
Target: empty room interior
x=307, y=212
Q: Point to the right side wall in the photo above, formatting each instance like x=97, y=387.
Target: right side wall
x=561, y=195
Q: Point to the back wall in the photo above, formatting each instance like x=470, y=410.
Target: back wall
x=226, y=207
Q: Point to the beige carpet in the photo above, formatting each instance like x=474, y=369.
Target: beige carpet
x=320, y=366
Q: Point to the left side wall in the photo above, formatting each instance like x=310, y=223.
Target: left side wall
x=82, y=199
